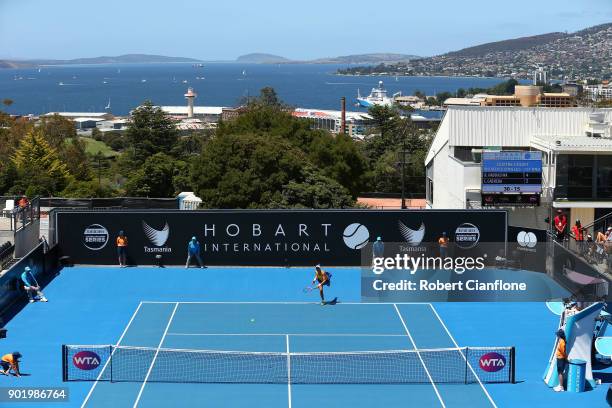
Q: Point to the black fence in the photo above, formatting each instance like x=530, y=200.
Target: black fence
x=116, y=202
x=264, y=237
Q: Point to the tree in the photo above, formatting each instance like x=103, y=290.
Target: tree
x=150, y=131
x=38, y=165
x=57, y=129
x=255, y=171
x=76, y=159
x=315, y=191
x=443, y=96
x=154, y=178
x=268, y=97
x=340, y=159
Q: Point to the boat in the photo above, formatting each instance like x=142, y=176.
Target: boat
x=378, y=96
x=108, y=106
x=184, y=81
x=143, y=80
x=61, y=84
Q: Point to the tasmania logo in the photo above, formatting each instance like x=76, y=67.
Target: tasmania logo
x=86, y=360
x=492, y=362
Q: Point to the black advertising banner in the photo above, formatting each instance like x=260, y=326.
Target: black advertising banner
x=266, y=237
x=526, y=248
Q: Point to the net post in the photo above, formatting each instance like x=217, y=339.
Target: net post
x=288, y=371
x=512, y=365
x=64, y=363
x=110, y=361
x=467, y=351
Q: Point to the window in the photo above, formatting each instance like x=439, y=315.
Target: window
x=584, y=177
x=604, y=177
x=465, y=154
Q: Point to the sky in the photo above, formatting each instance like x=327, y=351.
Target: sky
x=223, y=30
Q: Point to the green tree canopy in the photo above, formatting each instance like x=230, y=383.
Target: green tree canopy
x=250, y=171
x=39, y=166
x=150, y=131
x=154, y=178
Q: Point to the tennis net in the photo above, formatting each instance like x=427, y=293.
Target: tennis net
x=136, y=364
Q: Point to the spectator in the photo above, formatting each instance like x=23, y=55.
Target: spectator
x=122, y=243
x=193, y=250
x=603, y=236
x=31, y=286
x=560, y=225
x=10, y=362
x=443, y=242
x=578, y=233
x=23, y=202
x=378, y=249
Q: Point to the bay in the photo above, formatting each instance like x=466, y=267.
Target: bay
x=88, y=88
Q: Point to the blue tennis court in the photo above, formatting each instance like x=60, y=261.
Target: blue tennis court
x=264, y=310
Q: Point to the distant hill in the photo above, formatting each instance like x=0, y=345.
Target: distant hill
x=121, y=59
x=260, y=58
x=513, y=45
x=376, y=58
x=565, y=56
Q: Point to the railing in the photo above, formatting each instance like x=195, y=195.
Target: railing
x=571, y=264
x=6, y=254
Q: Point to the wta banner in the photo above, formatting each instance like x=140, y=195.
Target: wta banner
x=267, y=237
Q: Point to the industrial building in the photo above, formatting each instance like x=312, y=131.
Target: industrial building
x=76, y=115
x=576, y=163
x=357, y=123
x=524, y=95
x=599, y=92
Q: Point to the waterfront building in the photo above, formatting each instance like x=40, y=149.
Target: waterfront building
x=524, y=95
x=599, y=92
x=576, y=149
x=209, y=114
x=75, y=115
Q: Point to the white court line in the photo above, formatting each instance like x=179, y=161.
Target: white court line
x=290, y=334
x=288, y=372
x=155, y=356
x=107, y=361
x=419, y=354
x=463, y=355
x=283, y=303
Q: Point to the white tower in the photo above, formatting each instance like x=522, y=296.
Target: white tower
x=190, y=96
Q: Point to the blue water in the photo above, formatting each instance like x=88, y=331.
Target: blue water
x=307, y=86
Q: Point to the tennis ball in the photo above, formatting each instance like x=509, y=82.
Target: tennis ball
x=356, y=236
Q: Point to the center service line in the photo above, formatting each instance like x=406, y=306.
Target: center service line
x=419, y=354
x=155, y=356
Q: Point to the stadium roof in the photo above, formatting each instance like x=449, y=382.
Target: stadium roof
x=517, y=127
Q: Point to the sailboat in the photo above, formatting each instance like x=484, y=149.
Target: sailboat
x=108, y=106
x=244, y=72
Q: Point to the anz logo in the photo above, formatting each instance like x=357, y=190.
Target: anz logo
x=157, y=237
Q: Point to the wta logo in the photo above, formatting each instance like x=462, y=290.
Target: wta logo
x=492, y=362
x=86, y=360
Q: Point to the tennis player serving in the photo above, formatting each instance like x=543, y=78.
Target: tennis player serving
x=322, y=278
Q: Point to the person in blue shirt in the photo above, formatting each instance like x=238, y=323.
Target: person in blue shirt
x=31, y=286
x=193, y=250
x=378, y=248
